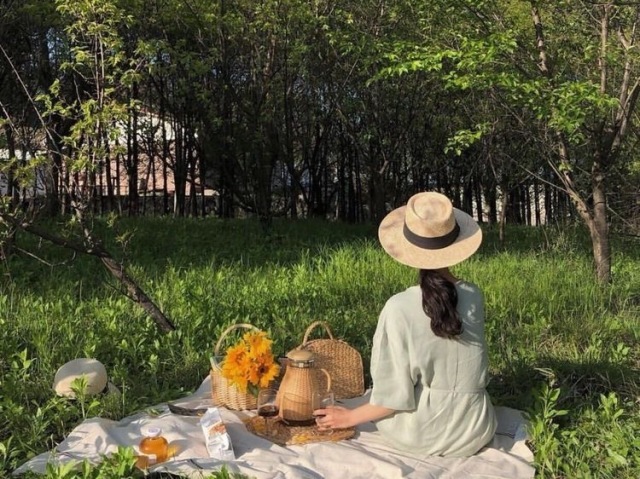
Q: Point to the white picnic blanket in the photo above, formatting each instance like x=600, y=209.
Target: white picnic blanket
x=364, y=456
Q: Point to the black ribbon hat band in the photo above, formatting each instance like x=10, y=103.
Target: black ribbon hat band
x=436, y=242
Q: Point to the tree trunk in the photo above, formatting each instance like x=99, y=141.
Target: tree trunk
x=490, y=195
x=58, y=177
x=599, y=227
x=132, y=157
x=180, y=167
x=504, y=204
x=595, y=220
x=377, y=209
x=477, y=190
x=6, y=243
x=467, y=197
x=12, y=187
x=536, y=202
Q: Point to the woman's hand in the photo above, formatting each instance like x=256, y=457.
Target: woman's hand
x=338, y=417
x=335, y=417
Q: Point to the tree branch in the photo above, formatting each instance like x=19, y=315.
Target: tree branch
x=134, y=292
x=542, y=52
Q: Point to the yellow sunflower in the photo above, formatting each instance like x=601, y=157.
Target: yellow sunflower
x=269, y=370
x=235, y=355
x=257, y=342
x=250, y=363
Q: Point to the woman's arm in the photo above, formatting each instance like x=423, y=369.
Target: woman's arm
x=338, y=417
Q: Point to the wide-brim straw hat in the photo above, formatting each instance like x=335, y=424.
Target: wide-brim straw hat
x=429, y=233
x=94, y=372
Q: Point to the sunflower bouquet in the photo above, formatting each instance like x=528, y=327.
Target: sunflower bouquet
x=250, y=365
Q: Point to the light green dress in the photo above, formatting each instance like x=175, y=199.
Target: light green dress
x=436, y=385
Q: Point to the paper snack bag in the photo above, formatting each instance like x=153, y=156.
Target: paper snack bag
x=215, y=435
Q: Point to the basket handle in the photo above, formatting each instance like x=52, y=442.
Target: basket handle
x=216, y=350
x=326, y=373
x=312, y=326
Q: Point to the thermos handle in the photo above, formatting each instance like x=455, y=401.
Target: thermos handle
x=326, y=373
x=280, y=403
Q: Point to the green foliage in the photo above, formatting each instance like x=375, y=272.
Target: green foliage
x=486, y=63
x=587, y=449
x=462, y=139
x=120, y=464
x=97, y=59
x=573, y=105
x=561, y=347
x=24, y=174
x=542, y=426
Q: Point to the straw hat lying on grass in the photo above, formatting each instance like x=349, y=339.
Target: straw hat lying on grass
x=92, y=370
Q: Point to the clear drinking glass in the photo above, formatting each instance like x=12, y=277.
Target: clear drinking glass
x=322, y=400
x=267, y=407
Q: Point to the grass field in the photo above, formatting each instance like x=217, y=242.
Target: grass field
x=561, y=347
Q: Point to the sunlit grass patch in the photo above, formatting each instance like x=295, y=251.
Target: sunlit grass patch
x=562, y=347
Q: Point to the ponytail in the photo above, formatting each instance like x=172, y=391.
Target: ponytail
x=439, y=301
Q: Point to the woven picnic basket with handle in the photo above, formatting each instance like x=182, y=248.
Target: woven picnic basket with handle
x=222, y=391
x=342, y=362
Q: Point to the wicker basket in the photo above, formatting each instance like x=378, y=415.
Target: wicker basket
x=223, y=393
x=341, y=361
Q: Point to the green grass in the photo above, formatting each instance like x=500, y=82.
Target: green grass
x=561, y=347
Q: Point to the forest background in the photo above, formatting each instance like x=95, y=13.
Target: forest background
x=521, y=112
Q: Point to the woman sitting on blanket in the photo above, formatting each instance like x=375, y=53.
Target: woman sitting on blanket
x=429, y=355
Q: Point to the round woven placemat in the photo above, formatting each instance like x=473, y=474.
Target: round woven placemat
x=284, y=435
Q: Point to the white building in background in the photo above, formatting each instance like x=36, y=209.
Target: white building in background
x=155, y=173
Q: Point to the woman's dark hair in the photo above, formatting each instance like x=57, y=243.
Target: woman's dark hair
x=439, y=301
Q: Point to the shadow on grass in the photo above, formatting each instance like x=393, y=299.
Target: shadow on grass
x=581, y=383
x=150, y=245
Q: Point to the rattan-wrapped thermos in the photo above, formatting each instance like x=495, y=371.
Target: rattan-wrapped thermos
x=300, y=382
x=339, y=359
